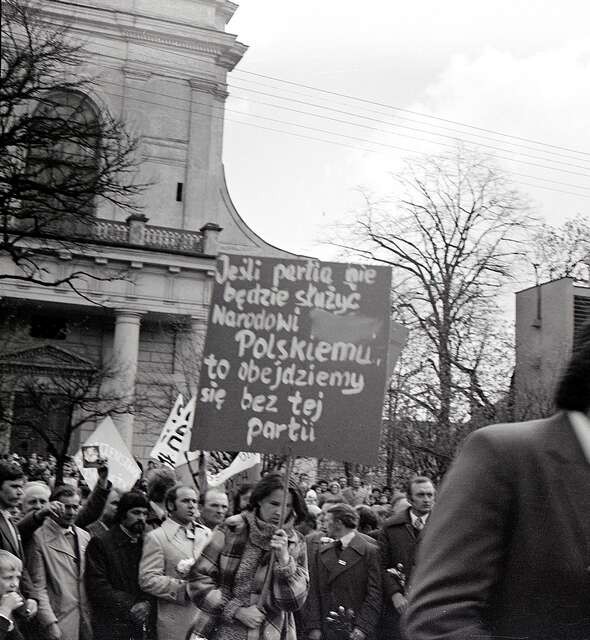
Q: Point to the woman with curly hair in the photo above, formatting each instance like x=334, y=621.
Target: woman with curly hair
x=242, y=594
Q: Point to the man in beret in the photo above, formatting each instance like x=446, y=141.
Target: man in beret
x=120, y=609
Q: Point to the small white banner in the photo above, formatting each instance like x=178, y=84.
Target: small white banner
x=123, y=470
x=176, y=434
x=244, y=460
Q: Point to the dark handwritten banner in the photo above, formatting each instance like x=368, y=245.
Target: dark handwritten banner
x=295, y=358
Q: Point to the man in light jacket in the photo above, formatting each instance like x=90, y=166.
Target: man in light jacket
x=56, y=564
x=168, y=554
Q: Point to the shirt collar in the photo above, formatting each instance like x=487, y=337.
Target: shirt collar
x=581, y=424
x=176, y=527
x=347, y=539
x=414, y=518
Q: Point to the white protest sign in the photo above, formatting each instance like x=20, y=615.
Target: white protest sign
x=176, y=433
x=243, y=461
x=123, y=470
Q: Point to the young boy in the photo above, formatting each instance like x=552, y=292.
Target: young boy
x=10, y=599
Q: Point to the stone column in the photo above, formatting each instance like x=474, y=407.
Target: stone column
x=124, y=366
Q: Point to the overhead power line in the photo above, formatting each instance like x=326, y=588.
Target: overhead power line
x=416, y=113
x=348, y=146
x=335, y=133
x=332, y=133
x=315, y=115
x=474, y=136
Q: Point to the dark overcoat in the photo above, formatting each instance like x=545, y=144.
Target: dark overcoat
x=506, y=552
x=398, y=541
x=112, y=564
x=352, y=581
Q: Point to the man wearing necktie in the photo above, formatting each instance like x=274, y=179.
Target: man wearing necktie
x=56, y=564
x=168, y=554
x=398, y=541
x=344, y=573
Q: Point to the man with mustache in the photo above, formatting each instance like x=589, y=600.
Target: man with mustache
x=168, y=554
x=120, y=609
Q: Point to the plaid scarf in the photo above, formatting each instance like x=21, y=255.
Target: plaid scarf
x=212, y=588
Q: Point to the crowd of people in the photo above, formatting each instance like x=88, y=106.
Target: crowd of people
x=505, y=552
x=156, y=561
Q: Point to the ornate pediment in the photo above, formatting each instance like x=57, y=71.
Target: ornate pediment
x=45, y=357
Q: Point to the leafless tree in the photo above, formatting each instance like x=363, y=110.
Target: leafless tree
x=452, y=235
x=57, y=404
x=59, y=153
x=564, y=251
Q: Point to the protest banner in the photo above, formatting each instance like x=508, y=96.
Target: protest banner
x=295, y=359
x=123, y=470
x=217, y=474
x=175, y=437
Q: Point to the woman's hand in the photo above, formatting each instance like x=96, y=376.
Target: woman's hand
x=250, y=617
x=280, y=543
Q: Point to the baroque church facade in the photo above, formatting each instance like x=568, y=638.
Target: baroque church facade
x=161, y=66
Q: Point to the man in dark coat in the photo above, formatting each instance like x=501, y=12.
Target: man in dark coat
x=11, y=491
x=398, y=541
x=507, y=550
x=120, y=610
x=343, y=573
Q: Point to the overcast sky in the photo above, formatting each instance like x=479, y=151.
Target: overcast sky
x=516, y=67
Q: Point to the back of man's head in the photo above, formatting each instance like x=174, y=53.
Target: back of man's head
x=573, y=390
x=368, y=520
x=10, y=471
x=346, y=514
x=158, y=482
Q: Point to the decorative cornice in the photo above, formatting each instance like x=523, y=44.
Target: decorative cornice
x=229, y=58
x=210, y=86
x=181, y=43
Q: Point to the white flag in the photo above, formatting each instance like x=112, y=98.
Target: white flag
x=242, y=462
x=123, y=470
x=176, y=434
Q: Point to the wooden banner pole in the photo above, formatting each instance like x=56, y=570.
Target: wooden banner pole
x=194, y=474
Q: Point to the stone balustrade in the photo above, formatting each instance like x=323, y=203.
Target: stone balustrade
x=136, y=232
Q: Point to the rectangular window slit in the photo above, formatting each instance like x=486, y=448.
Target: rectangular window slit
x=179, y=192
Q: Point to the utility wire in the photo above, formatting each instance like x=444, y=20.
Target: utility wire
x=334, y=133
x=348, y=146
x=480, y=144
x=406, y=150
x=394, y=108
x=416, y=113
x=477, y=136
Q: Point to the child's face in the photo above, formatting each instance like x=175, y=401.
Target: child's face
x=9, y=580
